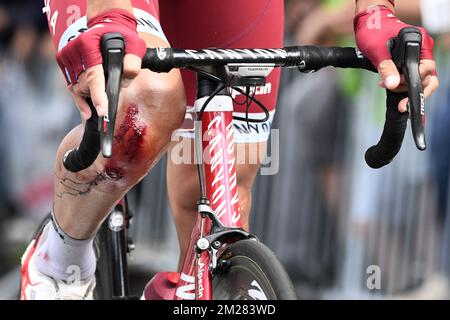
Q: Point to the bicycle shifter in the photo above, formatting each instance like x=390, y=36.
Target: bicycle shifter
x=405, y=50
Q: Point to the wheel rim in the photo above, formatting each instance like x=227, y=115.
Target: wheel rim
x=242, y=280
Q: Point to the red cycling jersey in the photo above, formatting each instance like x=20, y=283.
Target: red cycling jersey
x=67, y=18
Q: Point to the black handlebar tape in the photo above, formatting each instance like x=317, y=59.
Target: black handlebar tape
x=306, y=58
x=405, y=51
x=393, y=133
x=113, y=48
x=313, y=58
x=84, y=156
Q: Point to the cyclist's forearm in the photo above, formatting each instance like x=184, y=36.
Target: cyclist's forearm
x=363, y=5
x=95, y=7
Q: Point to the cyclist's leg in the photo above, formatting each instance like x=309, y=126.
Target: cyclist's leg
x=241, y=24
x=149, y=110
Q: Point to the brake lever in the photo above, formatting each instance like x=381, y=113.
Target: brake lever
x=113, y=48
x=405, y=51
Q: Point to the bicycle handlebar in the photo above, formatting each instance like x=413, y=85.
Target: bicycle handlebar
x=405, y=51
x=306, y=58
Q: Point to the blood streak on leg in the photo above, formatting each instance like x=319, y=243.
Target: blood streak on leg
x=129, y=140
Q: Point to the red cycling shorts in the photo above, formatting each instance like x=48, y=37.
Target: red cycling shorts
x=197, y=24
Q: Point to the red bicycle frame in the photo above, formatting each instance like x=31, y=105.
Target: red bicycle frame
x=215, y=154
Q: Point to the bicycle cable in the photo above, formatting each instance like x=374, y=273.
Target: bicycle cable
x=249, y=99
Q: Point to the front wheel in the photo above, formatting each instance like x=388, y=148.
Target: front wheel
x=251, y=272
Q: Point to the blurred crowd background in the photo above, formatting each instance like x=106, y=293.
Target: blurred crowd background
x=328, y=217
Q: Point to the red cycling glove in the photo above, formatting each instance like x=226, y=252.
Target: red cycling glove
x=84, y=51
x=374, y=28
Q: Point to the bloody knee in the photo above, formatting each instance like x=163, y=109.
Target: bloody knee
x=144, y=130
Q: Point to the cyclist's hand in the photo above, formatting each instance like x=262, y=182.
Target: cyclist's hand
x=81, y=59
x=373, y=29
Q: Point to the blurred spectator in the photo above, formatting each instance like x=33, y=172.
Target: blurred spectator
x=35, y=113
x=440, y=142
x=23, y=13
x=439, y=139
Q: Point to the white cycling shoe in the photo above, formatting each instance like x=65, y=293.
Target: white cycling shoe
x=37, y=286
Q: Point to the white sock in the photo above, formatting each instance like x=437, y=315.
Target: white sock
x=64, y=258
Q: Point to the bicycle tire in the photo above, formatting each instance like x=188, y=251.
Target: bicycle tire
x=253, y=273
x=103, y=272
